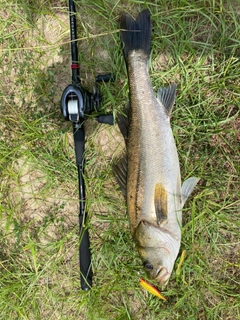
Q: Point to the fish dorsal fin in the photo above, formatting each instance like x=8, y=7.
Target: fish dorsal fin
x=167, y=97
x=120, y=172
x=188, y=187
x=160, y=202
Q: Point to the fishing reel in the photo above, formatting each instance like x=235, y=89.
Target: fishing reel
x=77, y=102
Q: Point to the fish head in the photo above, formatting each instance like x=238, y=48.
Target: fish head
x=158, y=250
x=157, y=262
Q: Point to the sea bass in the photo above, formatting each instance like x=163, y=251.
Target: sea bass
x=154, y=194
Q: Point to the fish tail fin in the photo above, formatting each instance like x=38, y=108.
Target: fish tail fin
x=136, y=34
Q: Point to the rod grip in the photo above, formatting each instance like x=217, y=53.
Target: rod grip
x=85, y=258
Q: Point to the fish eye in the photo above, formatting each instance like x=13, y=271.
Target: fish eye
x=148, y=266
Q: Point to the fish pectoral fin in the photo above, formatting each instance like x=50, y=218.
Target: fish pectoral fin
x=160, y=202
x=123, y=122
x=187, y=188
x=167, y=97
x=120, y=172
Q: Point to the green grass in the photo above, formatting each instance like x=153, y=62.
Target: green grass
x=194, y=43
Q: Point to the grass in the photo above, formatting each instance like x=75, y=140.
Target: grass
x=194, y=43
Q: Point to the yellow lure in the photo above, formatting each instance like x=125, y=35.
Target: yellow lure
x=150, y=288
x=181, y=262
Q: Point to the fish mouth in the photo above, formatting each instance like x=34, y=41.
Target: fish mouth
x=163, y=276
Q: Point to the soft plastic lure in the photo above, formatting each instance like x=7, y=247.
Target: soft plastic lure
x=183, y=255
x=150, y=288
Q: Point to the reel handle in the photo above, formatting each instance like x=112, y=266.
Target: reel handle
x=106, y=118
x=105, y=77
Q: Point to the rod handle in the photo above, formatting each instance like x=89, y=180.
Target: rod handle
x=85, y=258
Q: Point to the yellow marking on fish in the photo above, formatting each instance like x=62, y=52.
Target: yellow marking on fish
x=160, y=201
x=150, y=288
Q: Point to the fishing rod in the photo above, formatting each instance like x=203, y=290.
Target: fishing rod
x=76, y=103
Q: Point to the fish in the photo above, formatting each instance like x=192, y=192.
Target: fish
x=149, y=174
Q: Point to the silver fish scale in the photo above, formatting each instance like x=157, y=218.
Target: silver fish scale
x=151, y=141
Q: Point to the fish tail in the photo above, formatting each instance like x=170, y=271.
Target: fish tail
x=136, y=34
